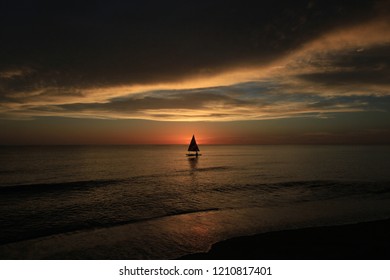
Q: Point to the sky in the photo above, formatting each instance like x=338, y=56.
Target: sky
x=230, y=72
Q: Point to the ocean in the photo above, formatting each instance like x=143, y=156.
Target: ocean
x=153, y=202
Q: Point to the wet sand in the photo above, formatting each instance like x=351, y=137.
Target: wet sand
x=362, y=241
x=180, y=235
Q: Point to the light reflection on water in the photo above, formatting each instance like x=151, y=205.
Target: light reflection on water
x=193, y=161
x=246, y=164
x=158, y=203
x=174, y=236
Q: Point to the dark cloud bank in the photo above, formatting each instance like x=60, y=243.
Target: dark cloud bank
x=60, y=49
x=364, y=67
x=102, y=43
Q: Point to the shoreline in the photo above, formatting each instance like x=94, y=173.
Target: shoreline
x=182, y=236
x=359, y=241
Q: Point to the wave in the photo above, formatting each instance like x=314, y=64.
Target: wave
x=67, y=229
x=214, y=168
x=261, y=195
x=63, y=186
x=204, y=169
x=74, y=185
x=87, y=184
x=339, y=186
x=316, y=188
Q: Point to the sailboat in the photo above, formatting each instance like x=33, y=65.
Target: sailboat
x=193, y=147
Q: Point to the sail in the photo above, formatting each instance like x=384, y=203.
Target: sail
x=193, y=147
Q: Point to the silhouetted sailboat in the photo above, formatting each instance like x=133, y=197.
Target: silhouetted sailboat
x=193, y=147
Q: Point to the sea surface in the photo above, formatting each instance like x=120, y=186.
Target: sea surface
x=153, y=202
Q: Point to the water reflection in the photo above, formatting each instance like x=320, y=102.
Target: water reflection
x=193, y=161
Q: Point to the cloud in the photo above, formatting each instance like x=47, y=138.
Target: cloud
x=351, y=57
x=362, y=67
x=101, y=44
x=202, y=61
x=246, y=101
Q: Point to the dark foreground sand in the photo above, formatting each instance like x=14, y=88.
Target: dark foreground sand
x=368, y=240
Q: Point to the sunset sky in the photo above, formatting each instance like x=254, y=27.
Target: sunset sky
x=230, y=72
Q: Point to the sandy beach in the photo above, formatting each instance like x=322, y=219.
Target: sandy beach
x=367, y=240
